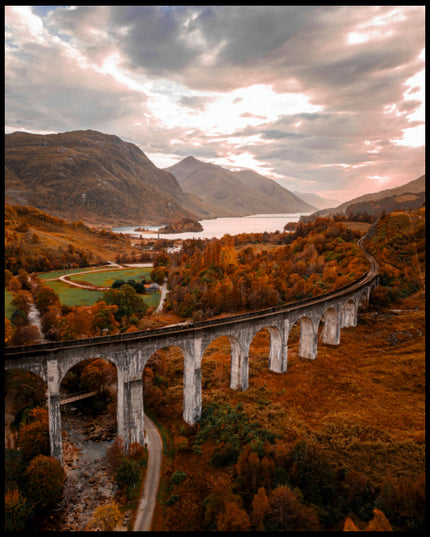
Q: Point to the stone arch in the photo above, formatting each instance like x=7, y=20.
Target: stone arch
x=238, y=360
x=308, y=336
x=330, y=334
x=308, y=339
x=76, y=360
x=220, y=361
x=363, y=298
x=349, y=313
x=276, y=359
x=192, y=389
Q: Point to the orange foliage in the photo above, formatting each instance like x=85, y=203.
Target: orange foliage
x=233, y=518
x=215, y=276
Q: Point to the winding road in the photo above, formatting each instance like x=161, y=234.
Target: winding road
x=147, y=501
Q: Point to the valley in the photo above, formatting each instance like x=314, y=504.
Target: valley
x=354, y=415
x=348, y=420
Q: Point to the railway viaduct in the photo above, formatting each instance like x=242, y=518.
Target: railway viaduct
x=131, y=352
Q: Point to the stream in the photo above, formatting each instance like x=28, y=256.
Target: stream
x=88, y=483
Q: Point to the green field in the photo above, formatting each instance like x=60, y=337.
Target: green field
x=106, y=278
x=8, y=308
x=74, y=296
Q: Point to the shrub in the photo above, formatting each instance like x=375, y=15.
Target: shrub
x=44, y=480
x=128, y=474
x=16, y=511
x=177, y=477
x=105, y=517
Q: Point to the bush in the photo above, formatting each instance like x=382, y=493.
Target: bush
x=128, y=474
x=16, y=511
x=312, y=474
x=177, y=477
x=44, y=480
x=105, y=517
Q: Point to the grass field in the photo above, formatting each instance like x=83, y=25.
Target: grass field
x=8, y=308
x=57, y=273
x=74, y=296
x=105, y=279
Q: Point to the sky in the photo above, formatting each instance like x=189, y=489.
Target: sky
x=324, y=99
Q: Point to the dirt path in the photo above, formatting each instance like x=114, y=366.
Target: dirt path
x=147, y=501
x=163, y=290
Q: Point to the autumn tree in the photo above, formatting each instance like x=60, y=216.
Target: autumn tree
x=26, y=335
x=103, y=318
x=233, y=518
x=128, y=302
x=45, y=298
x=8, y=331
x=158, y=274
x=128, y=475
x=115, y=454
x=33, y=437
x=260, y=508
x=22, y=300
x=77, y=323
x=106, y=517
x=290, y=514
x=17, y=511
x=44, y=480
x=98, y=375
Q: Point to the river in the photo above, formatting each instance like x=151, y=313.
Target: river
x=218, y=227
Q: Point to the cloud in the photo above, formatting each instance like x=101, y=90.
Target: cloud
x=328, y=95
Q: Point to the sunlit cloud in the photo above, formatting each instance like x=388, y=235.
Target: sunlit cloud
x=329, y=98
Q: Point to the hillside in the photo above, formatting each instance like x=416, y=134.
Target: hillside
x=315, y=200
x=406, y=197
x=237, y=193
x=37, y=242
x=350, y=425
x=94, y=177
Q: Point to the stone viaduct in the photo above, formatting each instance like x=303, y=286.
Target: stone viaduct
x=131, y=352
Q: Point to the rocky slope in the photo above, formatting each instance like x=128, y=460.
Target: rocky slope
x=236, y=193
x=94, y=177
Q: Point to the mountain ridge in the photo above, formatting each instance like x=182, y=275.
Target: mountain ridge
x=411, y=195
x=104, y=179
x=235, y=193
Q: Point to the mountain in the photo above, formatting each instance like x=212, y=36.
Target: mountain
x=315, y=200
x=408, y=196
x=237, y=193
x=93, y=177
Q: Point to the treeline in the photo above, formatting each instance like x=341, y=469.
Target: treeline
x=271, y=486
x=231, y=274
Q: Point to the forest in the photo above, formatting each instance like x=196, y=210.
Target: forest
x=254, y=271
x=336, y=443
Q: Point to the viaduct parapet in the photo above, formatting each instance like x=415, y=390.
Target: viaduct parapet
x=131, y=352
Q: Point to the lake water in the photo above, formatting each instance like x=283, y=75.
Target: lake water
x=218, y=227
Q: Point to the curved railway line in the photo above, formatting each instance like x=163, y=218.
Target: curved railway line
x=366, y=278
